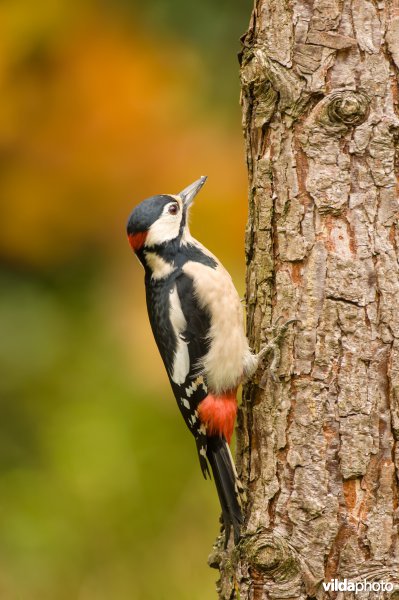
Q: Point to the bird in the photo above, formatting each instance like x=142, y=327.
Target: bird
x=197, y=321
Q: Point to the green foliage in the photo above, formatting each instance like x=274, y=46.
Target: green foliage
x=102, y=104
x=100, y=487
x=212, y=28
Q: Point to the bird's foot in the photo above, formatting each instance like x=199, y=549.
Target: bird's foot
x=276, y=333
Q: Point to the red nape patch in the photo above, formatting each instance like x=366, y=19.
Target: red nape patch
x=136, y=240
x=218, y=414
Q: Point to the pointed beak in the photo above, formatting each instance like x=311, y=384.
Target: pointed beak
x=189, y=193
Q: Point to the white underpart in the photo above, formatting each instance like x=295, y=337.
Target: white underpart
x=166, y=227
x=181, y=361
x=229, y=358
x=160, y=268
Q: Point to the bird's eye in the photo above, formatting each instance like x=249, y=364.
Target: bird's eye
x=173, y=209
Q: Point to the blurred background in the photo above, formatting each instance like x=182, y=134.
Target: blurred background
x=103, y=104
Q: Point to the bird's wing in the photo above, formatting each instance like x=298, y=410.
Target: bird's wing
x=191, y=325
x=212, y=449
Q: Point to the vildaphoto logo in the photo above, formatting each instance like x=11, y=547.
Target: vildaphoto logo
x=346, y=585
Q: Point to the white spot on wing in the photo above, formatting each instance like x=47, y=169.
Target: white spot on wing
x=181, y=361
x=185, y=402
x=194, y=386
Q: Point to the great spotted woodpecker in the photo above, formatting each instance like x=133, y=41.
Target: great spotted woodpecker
x=197, y=321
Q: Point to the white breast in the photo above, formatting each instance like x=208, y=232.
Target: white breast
x=226, y=362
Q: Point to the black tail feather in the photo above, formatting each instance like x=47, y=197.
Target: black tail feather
x=227, y=485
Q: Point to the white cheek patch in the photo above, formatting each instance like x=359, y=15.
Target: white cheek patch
x=181, y=362
x=165, y=228
x=160, y=268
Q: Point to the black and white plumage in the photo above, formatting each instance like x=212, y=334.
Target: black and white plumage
x=197, y=322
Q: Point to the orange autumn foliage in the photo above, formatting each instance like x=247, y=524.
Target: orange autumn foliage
x=93, y=122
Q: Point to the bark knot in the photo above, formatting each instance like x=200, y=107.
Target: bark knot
x=335, y=114
x=271, y=555
x=350, y=108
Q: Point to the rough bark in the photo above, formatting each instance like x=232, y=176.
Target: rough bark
x=317, y=449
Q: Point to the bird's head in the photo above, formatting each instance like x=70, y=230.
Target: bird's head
x=161, y=219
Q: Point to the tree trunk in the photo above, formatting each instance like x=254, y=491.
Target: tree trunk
x=317, y=448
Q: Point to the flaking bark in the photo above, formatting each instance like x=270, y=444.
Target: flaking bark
x=317, y=450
